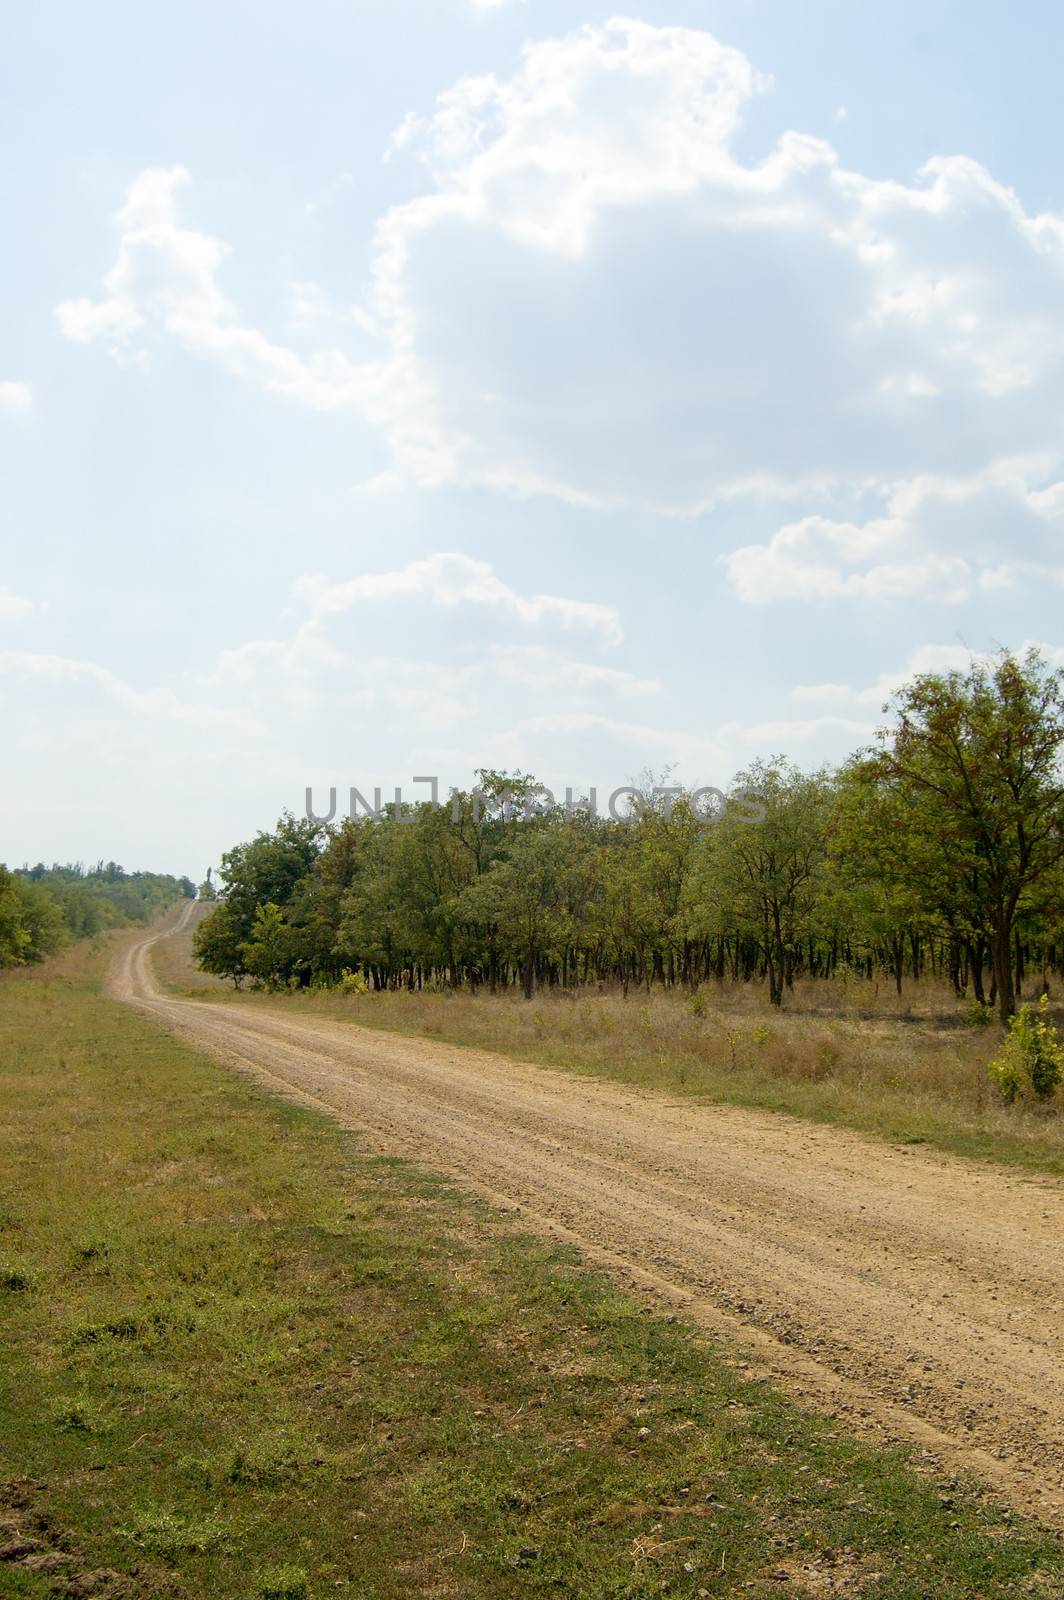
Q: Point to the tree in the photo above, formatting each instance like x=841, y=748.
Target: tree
x=15, y=939
x=523, y=898
x=218, y=945
x=769, y=875
x=267, y=953
x=267, y=870
x=968, y=783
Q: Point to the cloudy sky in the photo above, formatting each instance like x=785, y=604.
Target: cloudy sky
x=391, y=387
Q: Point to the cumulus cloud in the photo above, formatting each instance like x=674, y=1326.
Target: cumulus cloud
x=599, y=299
x=165, y=279
x=596, y=297
x=15, y=397
x=944, y=539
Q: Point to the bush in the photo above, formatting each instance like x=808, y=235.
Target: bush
x=353, y=983
x=1032, y=1055
x=979, y=1014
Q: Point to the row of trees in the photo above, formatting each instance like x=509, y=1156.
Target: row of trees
x=43, y=908
x=940, y=850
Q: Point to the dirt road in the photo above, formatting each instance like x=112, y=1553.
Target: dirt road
x=912, y=1293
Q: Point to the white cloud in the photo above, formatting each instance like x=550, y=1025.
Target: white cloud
x=157, y=704
x=165, y=279
x=595, y=297
x=15, y=397
x=537, y=668
x=13, y=607
x=942, y=539
x=340, y=663
x=452, y=579
x=808, y=560
x=599, y=300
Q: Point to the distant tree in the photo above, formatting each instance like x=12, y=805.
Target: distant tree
x=32, y=924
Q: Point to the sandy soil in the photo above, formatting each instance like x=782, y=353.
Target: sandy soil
x=913, y=1294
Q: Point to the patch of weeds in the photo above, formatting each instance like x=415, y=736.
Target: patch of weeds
x=283, y=1583
x=159, y=1532
x=266, y=1463
x=90, y=1250
x=95, y=1332
x=75, y=1416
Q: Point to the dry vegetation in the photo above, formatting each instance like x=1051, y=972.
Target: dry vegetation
x=911, y=1069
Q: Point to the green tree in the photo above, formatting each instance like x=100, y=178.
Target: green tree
x=769, y=875
x=267, y=953
x=218, y=945
x=15, y=939
x=965, y=791
x=523, y=898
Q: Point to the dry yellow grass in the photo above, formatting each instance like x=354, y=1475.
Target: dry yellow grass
x=912, y=1069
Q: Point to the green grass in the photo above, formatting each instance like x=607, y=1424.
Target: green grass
x=241, y=1357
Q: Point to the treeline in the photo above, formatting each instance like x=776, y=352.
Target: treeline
x=44, y=908
x=939, y=851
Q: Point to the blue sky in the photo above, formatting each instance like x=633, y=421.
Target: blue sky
x=390, y=389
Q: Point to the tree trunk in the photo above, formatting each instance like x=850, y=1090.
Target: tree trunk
x=1001, y=956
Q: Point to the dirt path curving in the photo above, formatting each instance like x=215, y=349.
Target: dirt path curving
x=914, y=1294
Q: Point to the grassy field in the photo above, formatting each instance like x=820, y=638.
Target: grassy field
x=241, y=1357
x=913, y=1071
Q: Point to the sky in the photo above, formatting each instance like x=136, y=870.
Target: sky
x=393, y=389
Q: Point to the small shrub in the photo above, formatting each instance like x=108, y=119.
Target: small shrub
x=761, y=1034
x=978, y=1014
x=1031, y=1055
x=697, y=1003
x=353, y=983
